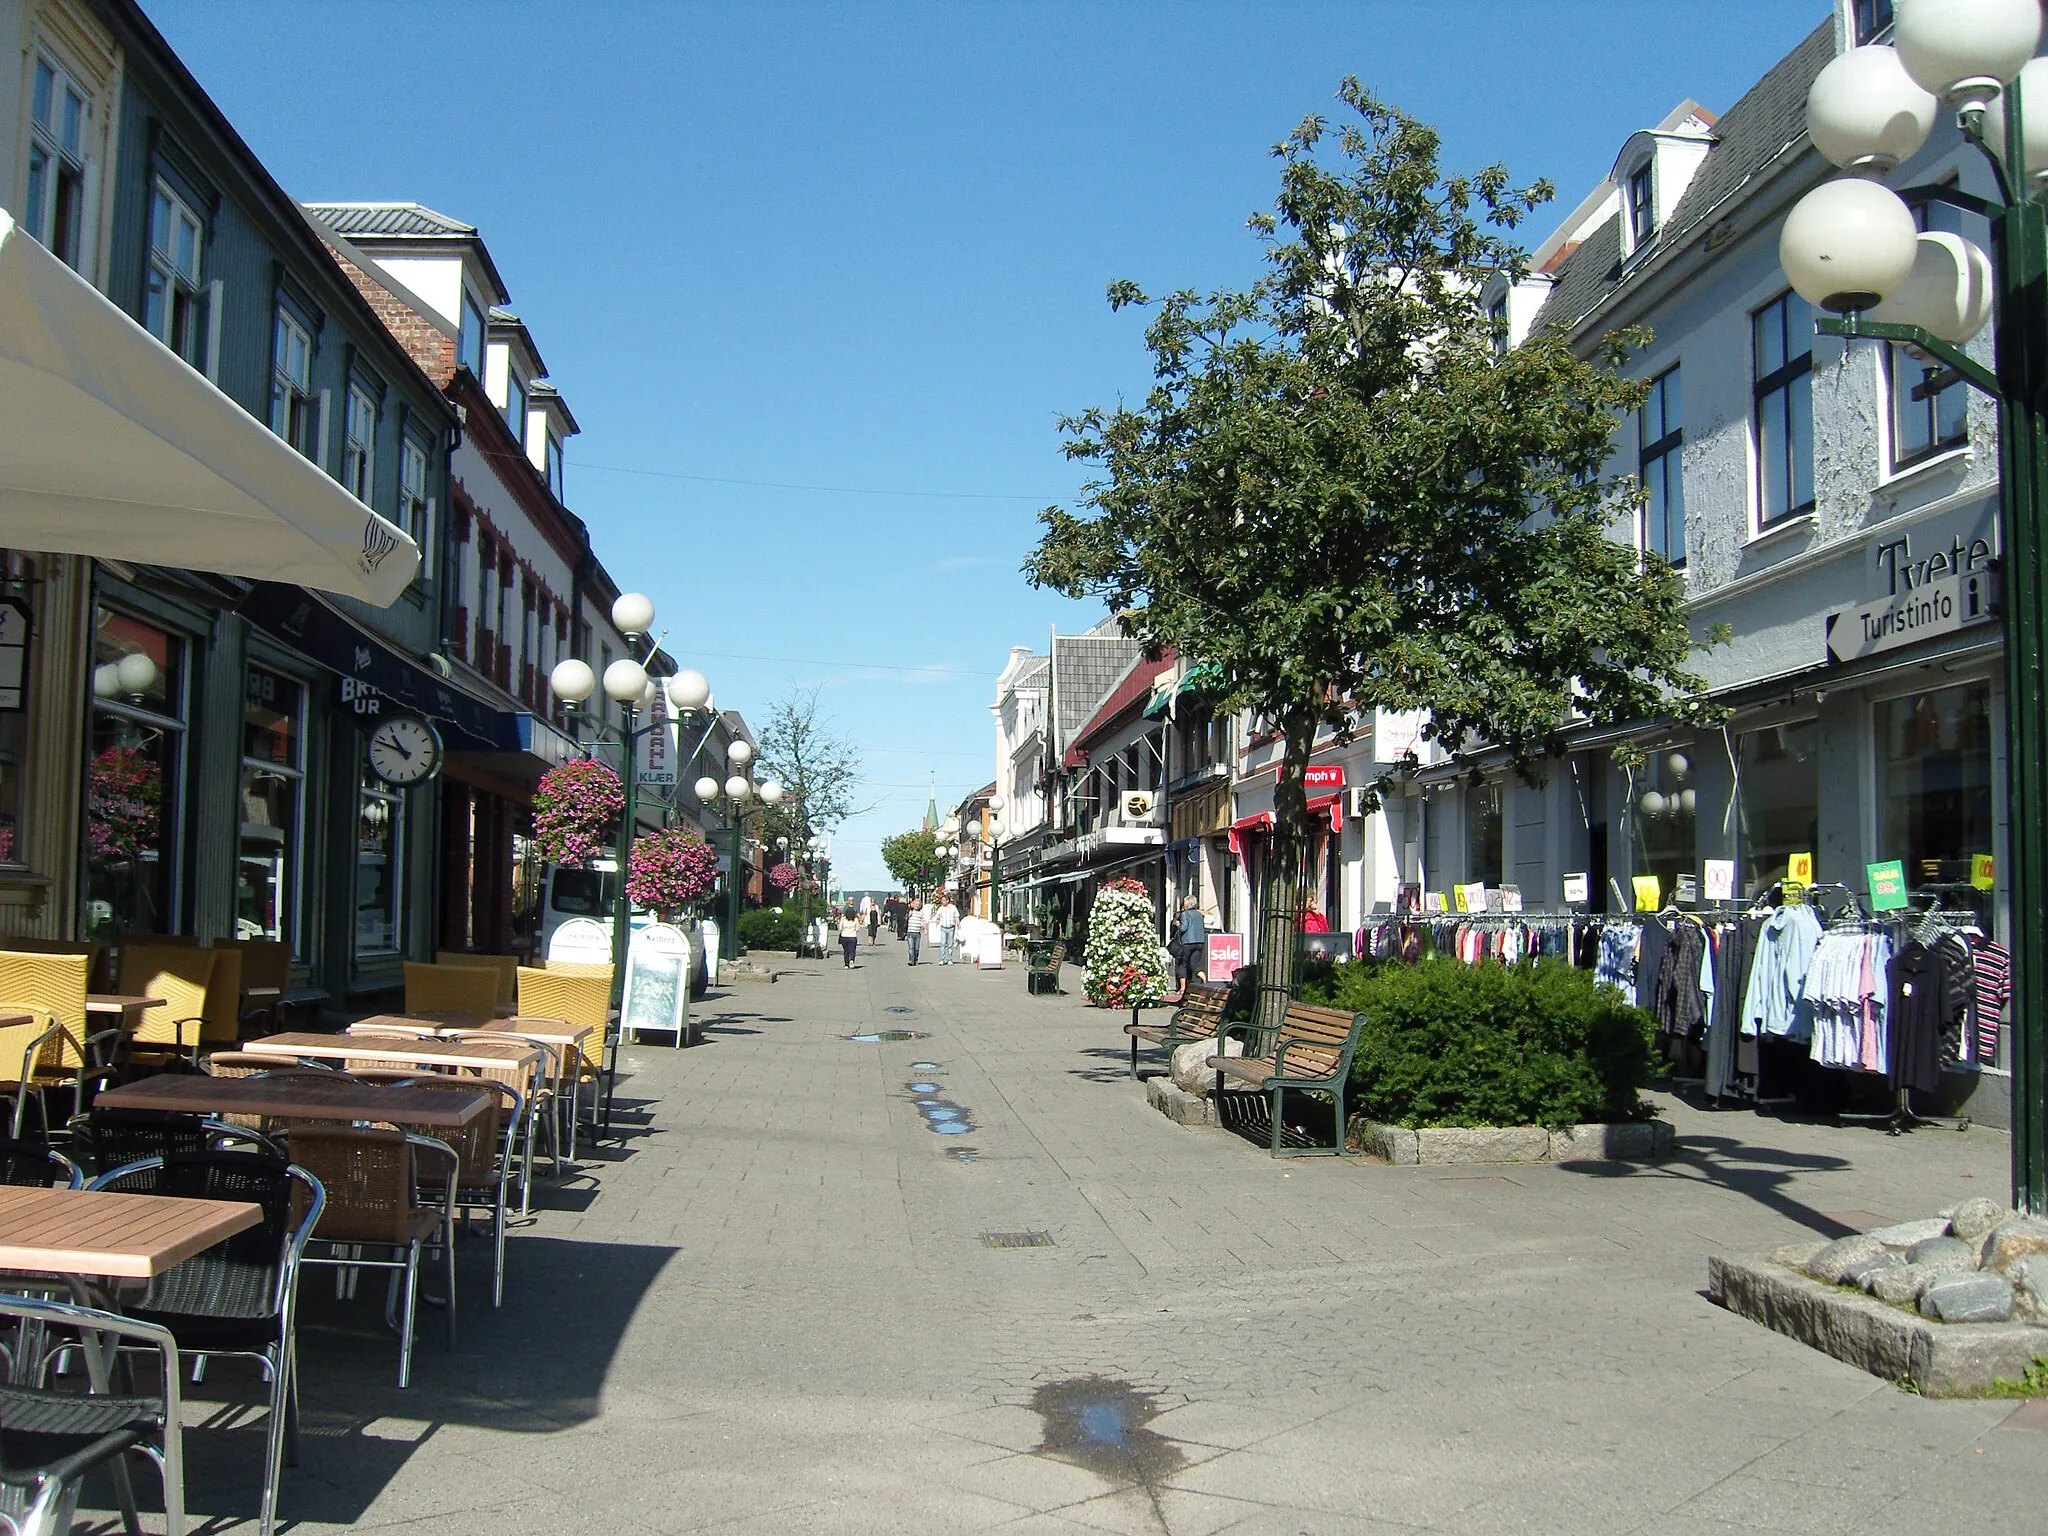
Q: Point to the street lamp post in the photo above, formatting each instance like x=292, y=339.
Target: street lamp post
x=736, y=792
x=1853, y=247
x=626, y=684
x=995, y=860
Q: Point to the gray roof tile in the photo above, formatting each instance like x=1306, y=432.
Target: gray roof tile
x=1085, y=671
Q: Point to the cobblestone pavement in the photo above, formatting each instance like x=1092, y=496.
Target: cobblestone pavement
x=775, y=1308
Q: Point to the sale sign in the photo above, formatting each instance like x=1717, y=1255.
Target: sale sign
x=1226, y=954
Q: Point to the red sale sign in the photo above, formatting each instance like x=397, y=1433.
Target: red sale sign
x=1226, y=954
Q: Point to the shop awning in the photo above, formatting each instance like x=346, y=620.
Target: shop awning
x=112, y=445
x=1262, y=822
x=376, y=673
x=1203, y=675
x=1333, y=803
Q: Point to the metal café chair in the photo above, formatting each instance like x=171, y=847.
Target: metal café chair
x=486, y=1153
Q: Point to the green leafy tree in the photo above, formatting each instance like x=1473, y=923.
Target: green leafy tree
x=1343, y=494
x=817, y=769
x=912, y=859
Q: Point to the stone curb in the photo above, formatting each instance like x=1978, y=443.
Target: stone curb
x=1937, y=1359
x=1635, y=1141
x=1177, y=1104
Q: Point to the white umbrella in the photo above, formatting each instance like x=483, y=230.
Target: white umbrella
x=112, y=445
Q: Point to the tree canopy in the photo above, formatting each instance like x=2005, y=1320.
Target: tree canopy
x=911, y=858
x=818, y=770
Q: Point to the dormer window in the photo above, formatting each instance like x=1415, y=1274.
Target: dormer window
x=1642, y=206
x=554, y=466
x=1873, y=19
x=1497, y=318
x=515, y=406
x=469, y=344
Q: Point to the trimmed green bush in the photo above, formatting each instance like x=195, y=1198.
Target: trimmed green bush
x=1446, y=1043
x=766, y=928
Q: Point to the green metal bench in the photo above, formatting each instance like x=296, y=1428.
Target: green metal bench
x=1197, y=1015
x=1042, y=971
x=1310, y=1052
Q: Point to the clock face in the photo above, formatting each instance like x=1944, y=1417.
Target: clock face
x=405, y=750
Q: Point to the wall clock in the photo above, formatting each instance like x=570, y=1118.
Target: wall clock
x=405, y=750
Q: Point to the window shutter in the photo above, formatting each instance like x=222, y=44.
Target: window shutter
x=320, y=437
x=425, y=532
x=213, y=311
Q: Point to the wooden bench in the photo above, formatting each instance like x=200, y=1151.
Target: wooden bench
x=1197, y=1016
x=1311, y=1051
x=1046, y=970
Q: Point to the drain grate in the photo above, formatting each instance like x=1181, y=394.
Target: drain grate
x=1017, y=1239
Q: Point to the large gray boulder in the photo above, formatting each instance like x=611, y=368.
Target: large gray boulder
x=1975, y=1298
x=1943, y=1255
x=1902, y=1286
x=1863, y=1271
x=1906, y=1233
x=2011, y=1241
x=1832, y=1263
x=2029, y=1277
x=1974, y=1218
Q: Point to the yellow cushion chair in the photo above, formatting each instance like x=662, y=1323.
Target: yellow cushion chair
x=580, y=997
x=504, y=967
x=50, y=1050
x=463, y=989
x=183, y=976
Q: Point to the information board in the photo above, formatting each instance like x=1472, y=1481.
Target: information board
x=657, y=984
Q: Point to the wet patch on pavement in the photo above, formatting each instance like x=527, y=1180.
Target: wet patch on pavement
x=1099, y=1423
x=899, y=1008
x=886, y=1036
x=942, y=1117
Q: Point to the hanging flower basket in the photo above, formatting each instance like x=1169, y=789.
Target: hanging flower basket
x=121, y=814
x=574, y=810
x=670, y=871
x=783, y=877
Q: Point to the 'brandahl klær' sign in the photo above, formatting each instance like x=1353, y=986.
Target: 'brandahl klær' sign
x=1921, y=612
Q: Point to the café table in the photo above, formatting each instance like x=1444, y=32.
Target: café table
x=128, y=1006
x=303, y=1096
x=363, y=1042
x=103, y=1233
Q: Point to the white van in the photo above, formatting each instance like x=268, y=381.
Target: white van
x=567, y=893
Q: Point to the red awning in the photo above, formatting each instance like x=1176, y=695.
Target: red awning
x=1334, y=804
x=1260, y=823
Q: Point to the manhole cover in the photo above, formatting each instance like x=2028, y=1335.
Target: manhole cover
x=1017, y=1239
x=886, y=1036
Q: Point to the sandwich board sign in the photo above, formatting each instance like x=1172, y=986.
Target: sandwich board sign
x=657, y=996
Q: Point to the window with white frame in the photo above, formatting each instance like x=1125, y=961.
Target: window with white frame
x=1497, y=321
x=1782, y=374
x=1930, y=405
x=515, y=406
x=359, y=444
x=554, y=467
x=294, y=412
x=469, y=341
x=59, y=110
x=1642, y=206
x=173, y=303
x=415, y=510
x=1873, y=19
x=1660, y=434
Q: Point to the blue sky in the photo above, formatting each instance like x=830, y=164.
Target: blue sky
x=818, y=280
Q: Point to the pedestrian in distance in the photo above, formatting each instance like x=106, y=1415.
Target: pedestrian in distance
x=1190, y=943
x=913, y=927
x=874, y=925
x=849, y=933
x=948, y=919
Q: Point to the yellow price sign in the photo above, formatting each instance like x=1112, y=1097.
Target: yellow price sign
x=1983, y=871
x=1799, y=869
x=1649, y=893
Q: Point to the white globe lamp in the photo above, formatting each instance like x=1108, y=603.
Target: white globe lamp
x=572, y=681
x=1965, y=50
x=707, y=790
x=633, y=613
x=689, y=690
x=1866, y=113
x=997, y=804
x=1652, y=803
x=739, y=789
x=2033, y=78
x=1948, y=292
x=739, y=754
x=771, y=793
x=1847, y=244
x=137, y=673
x=625, y=680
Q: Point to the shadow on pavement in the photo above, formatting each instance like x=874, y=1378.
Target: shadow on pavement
x=1761, y=1173
x=537, y=1366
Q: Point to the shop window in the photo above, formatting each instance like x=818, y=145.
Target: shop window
x=1934, y=784
x=55, y=207
x=1483, y=823
x=1667, y=818
x=380, y=871
x=1660, y=434
x=133, y=780
x=1780, y=800
x=1782, y=364
x=273, y=775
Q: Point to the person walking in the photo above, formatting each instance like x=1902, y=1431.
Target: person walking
x=874, y=925
x=913, y=927
x=949, y=929
x=849, y=933
x=1190, y=943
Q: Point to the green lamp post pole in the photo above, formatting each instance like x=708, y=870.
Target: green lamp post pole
x=1853, y=246
x=736, y=791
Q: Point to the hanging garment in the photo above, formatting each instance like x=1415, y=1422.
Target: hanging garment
x=1678, y=1002
x=1777, y=974
x=1730, y=963
x=1925, y=1003
x=1845, y=1000
x=1994, y=990
x=1650, y=960
x=1617, y=963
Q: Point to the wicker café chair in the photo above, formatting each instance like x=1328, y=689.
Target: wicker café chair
x=367, y=1174
x=463, y=989
x=50, y=1437
x=238, y=1299
x=504, y=967
x=265, y=963
x=180, y=974
x=582, y=997
x=37, y=1165
x=540, y=1086
x=486, y=1153
x=52, y=1050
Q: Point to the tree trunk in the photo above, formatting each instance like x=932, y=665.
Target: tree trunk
x=1285, y=874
